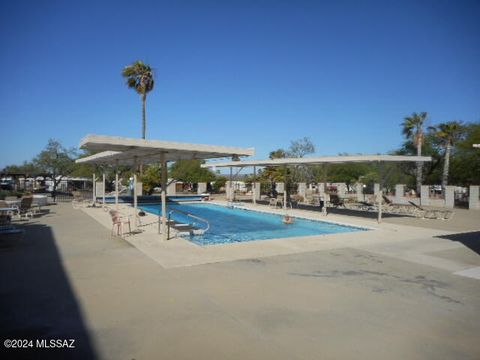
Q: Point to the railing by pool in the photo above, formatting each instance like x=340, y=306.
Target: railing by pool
x=199, y=231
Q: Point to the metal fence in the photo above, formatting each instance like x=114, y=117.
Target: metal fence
x=461, y=197
x=63, y=196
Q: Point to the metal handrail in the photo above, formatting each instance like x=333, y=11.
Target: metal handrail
x=234, y=203
x=186, y=214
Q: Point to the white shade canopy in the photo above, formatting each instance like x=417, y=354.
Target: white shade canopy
x=320, y=160
x=127, y=151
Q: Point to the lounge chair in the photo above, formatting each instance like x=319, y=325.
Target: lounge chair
x=272, y=202
x=294, y=200
x=39, y=201
x=401, y=209
x=309, y=197
x=438, y=214
x=5, y=215
x=122, y=189
x=316, y=200
x=389, y=207
x=360, y=205
x=25, y=208
x=336, y=201
x=387, y=200
x=275, y=202
x=280, y=200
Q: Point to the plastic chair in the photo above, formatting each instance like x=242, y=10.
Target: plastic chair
x=119, y=221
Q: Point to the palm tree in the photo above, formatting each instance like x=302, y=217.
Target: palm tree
x=448, y=134
x=413, y=129
x=140, y=77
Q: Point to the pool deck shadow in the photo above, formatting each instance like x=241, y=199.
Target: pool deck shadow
x=37, y=299
x=470, y=239
x=179, y=252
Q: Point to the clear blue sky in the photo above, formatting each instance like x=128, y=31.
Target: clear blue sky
x=243, y=73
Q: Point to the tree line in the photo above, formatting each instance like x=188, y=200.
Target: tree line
x=450, y=144
x=454, y=161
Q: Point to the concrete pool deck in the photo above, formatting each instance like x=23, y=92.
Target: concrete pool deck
x=70, y=279
x=397, y=238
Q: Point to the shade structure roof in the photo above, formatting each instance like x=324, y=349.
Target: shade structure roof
x=320, y=160
x=125, y=151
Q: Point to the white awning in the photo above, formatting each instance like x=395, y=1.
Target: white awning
x=320, y=160
x=123, y=150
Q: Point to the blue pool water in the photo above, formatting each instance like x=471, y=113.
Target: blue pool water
x=229, y=225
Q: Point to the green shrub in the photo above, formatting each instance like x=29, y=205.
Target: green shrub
x=219, y=183
x=5, y=193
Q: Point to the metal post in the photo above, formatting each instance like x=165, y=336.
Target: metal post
x=230, y=186
x=93, y=190
x=103, y=195
x=254, y=186
x=116, y=185
x=380, y=192
x=168, y=228
x=164, y=196
x=285, y=189
x=135, y=197
x=135, y=190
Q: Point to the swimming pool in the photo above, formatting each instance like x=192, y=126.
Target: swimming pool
x=228, y=225
x=109, y=199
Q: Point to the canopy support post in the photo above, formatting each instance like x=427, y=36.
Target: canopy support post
x=230, y=186
x=103, y=194
x=164, y=197
x=285, y=189
x=380, y=192
x=254, y=186
x=380, y=195
x=94, y=197
x=135, y=197
x=135, y=190
x=116, y=185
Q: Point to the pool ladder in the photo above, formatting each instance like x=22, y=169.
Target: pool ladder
x=235, y=204
x=186, y=228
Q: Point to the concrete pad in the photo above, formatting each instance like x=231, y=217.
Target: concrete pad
x=460, y=254
x=473, y=273
x=70, y=278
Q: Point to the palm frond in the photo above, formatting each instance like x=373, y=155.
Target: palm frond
x=139, y=77
x=448, y=132
x=131, y=83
